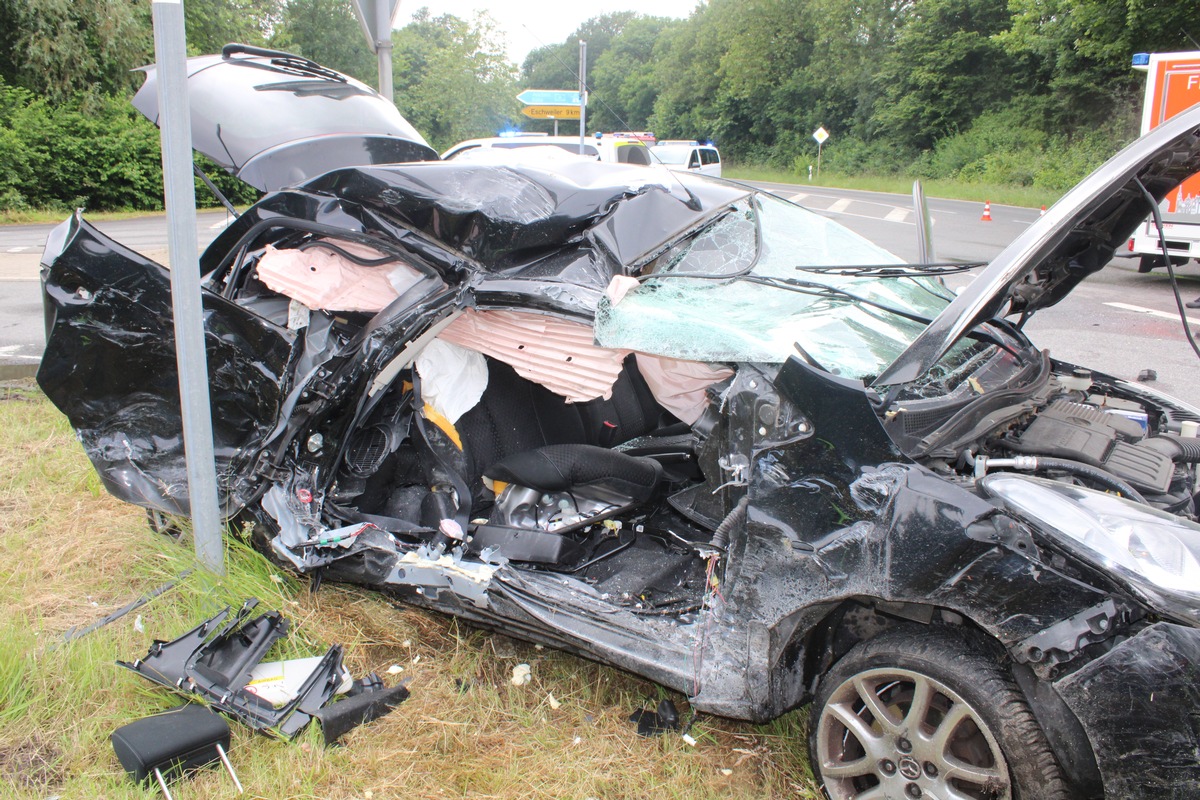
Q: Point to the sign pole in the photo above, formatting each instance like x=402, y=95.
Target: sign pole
x=383, y=46
x=820, y=135
x=582, y=93
x=174, y=121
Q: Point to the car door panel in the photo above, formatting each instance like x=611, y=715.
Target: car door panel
x=107, y=305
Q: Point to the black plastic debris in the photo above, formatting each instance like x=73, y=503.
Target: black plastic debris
x=343, y=716
x=168, y=745
x=1147, y=375
x=655, y=723
x=215, y=660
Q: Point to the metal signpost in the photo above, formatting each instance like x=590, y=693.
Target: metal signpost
x=582, y=93
x=377, y=18
x=552, y=104
x=820, y=134
x=174, y=121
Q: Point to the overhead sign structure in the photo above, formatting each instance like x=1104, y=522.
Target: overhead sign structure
x=551, y=112
x=376, y=18
x=549, y=97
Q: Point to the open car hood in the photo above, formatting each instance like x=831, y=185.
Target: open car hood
x=1076, y=237
x=274, y=119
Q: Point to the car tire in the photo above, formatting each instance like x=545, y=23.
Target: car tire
x=977, y=737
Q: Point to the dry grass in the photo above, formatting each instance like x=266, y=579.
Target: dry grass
x=72, y=554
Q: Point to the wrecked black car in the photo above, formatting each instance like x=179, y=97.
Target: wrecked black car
x=683, y=427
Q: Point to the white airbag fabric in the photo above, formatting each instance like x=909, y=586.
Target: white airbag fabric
x=557, y=354
x=327, y=280
x=452, y=378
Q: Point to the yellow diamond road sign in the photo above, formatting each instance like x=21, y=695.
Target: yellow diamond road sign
x=551, y=112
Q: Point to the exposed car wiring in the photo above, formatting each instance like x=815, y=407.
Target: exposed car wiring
x=1162, y=243
x=362, y=262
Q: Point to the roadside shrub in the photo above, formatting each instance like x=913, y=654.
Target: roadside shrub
x=95, y=152
x=849, y=155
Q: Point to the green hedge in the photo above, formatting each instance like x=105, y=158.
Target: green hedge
x=95, y=153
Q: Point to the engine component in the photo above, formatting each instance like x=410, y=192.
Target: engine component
x=1093, y=436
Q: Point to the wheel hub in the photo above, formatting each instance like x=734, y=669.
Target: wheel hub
x=909, y=735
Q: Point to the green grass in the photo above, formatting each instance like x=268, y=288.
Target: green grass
x=951, y=190
x=37, y=216
x=73, y=554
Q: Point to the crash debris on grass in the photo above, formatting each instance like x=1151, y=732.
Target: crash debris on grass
x=220, y=662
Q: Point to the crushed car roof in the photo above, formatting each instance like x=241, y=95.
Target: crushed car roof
x=513, y=220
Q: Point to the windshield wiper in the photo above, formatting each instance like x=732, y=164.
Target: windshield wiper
x=894, y=270
x=283, y=61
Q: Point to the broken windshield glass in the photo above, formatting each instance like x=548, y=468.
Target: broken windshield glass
x=681, y=311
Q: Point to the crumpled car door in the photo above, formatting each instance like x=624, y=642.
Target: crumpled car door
x=109, y=365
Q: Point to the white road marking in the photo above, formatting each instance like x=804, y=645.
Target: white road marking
x=825, y=211
x=11, y=352
x=839, y=206
x=225, y=223
x=897, y=215
x=1152, y=312
x=796, y=198
x=17, y=249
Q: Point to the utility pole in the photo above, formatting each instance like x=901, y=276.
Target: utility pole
x=582, y=94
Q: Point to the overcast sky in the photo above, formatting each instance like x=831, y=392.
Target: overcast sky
x=529, y=24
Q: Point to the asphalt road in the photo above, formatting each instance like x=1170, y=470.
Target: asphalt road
x=1117, y=320
x=22, y=333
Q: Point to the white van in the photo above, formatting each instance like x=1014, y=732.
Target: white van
x=688, y=157
x=616, y=150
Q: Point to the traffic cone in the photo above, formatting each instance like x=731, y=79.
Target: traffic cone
x=987, y=212
x=1043, y=213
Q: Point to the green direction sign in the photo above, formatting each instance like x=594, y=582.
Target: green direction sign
x=549, y=97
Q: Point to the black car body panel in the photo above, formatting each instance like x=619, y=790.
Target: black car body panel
x=538, y=419
x=110, y=366
x=1138, y=704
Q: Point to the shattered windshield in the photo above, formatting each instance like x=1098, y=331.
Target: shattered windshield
x=764, y=277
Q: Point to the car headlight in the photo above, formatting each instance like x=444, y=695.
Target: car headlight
x=1150, y=548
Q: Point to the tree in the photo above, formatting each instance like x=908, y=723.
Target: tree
x=621, y=83
x=557, y=66
x=326, y=31
x=212, y=24
x=58, y=48
x=1078, y=51
x=945, y=68
x=453, y=80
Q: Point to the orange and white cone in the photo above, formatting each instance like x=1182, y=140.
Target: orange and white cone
x=987, y=212
x=1043, y=212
